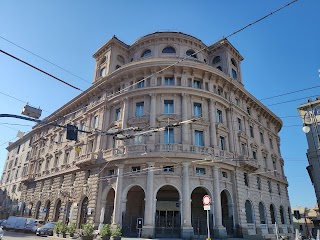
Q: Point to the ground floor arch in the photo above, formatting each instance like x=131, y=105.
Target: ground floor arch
x=168, y=216
x=83, y=212
x=198, y=214
x=56, y=212
x=227, y=212
x=109, y=207
x=46, y=210
x=135, y=207
x=37, y=210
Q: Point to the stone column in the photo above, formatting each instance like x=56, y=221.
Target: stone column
x=231, y=131
x=152, y=116
x=148, y=227
x=184, y=114
x=117, y=200
x=219, y=231
x=102, y=212
x=212, y=116
x=125, y=113
x=187, y=229
x=104, y=127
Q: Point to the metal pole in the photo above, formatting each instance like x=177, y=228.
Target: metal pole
x=208, y=225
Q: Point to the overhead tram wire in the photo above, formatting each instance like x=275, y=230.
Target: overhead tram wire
x=38, y=69
x=45, y=60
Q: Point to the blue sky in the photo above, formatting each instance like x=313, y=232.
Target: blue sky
x=280, y=55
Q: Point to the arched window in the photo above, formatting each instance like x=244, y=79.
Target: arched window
x=289, y=215
x=262, y=213
x=103, y=60
x=282, y=215
x=146, y=53
x=273, y=214
x=216, y=60
x=249, y=213
x=190, y=52
x=120, y=59
x=233, y=62
x=169, y=50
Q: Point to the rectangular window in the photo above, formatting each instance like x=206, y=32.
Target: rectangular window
x=246, y=179
x=169, y=81
x=243, y=149
x=265, y=162
x=270, y=141
x=102, y=72
x=138, y=139
x=168, y=107
x=269, y=186
x=168, y=169
x=219, y=116
x=237, y=102
x=168, y=136
x=224, y=174
x=111, y=172
x=222, y=143
x=139, y=109
x=66, y=157
x=198, y=138
x=200, y=171
x=95, y=121
x=30, y=142
x=239, y=124
x=259, y=183
x=18, y=149
x=249, y=111
x=261, y=138
x=90, y=146
x=254, y=155
x=234, y=74
x=251, y=132
x=135, y=169
x=140, y=84
x=197, y=109
x=118, y=114
x=197, y=84
x=279, y=190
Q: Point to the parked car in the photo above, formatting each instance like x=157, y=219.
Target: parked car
x=46, y=230
x=1, y=233
x=20, y=224
x=2, y=222
x=33, y=224
x=10, y=223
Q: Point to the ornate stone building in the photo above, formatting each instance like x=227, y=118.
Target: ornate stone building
x=231, y=152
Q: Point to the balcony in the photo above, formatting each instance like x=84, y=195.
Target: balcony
x=86, y=160
x=28, y=178
x=250, y=165
x=168, y=147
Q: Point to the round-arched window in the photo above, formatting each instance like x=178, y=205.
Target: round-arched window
x=146, y=53
x=169, y=50
x=216, y=60
x=190, y=52
x=249, y=213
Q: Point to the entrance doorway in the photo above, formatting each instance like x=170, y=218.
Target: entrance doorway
x=47, y=210
x=198, y=214
x=83, y=212
x=168, y=217
x=109, y=207
x=134, y=210
x=37, y=210
x=57, y=211
x=227, y=212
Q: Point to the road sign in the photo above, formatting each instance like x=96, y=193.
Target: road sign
x=206, y=207
x=206, y=200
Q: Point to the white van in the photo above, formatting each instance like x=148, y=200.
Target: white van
x=20, y=224
x=10, y=223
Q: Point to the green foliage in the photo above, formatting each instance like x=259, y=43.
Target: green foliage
x=87, y=229
x=63, y=228
x=117, y=231
x=72, y=228
x=105, y=230
x=57, y=227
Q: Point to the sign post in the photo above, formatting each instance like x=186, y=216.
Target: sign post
x=206, y=200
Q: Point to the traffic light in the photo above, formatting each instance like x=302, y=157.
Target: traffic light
x=72, y=132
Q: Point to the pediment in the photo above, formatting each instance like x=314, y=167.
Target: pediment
x=253, y=145
x=222, y=127
x=172, y=118
x=138, y=120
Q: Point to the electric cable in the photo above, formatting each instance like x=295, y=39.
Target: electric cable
x=38, y=69
x=45, y=59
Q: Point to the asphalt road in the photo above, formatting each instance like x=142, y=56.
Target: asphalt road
x=11, y=235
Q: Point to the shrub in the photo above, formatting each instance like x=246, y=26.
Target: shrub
x=87, y=229
x=117, y=231
x=72, y=228
x=63, y=228
x=105, y=230
x=57, y=227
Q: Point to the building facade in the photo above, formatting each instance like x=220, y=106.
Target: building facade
x=229, y=151
x=309, y=113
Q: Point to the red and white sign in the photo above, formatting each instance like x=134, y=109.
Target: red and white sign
x=206, y=200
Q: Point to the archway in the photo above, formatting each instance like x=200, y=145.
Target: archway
x=272, y=214
x=46, y=210
x=249, y=212
x=167, y=219
x=37, y=210
x=198, y=215
x=66, y=217
x=262, y=213
x=227, y=212
x=134, y=210
x=57, y=211
x=282, y=215
x=109, y=207
x=83, y=212
x=29, y=210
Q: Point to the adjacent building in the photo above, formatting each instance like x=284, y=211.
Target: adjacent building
x=229, y=150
